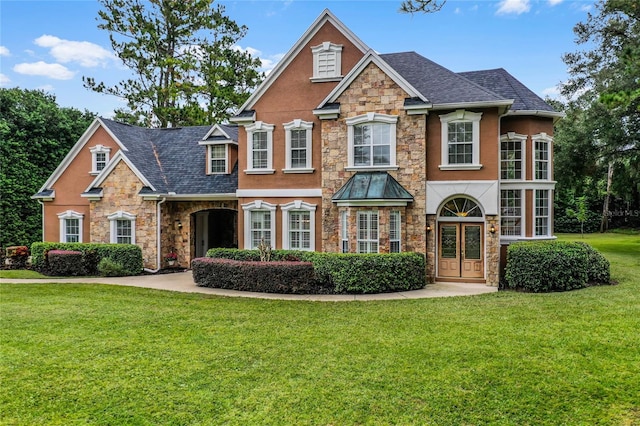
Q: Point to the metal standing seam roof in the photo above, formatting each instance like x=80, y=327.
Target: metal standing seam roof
x=372, y=186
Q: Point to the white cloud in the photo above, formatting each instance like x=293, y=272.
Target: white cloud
x=552, y=92
x=83, y=52
x=4, y=80
x=267, y=63
x=555, y=2
x=55, y=71
x=46, y=88
x=513, y=6
x=457, y=11
x=4, y=51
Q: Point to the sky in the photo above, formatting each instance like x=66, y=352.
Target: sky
x=51, y=45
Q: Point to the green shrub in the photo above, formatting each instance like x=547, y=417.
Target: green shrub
x=266, y=277
x=349, y=272
x=128, y=256
x=598, y=267
x=545, y=266
x=65, y=263
x=110, y=268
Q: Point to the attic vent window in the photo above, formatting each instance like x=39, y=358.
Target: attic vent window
x=327, y=62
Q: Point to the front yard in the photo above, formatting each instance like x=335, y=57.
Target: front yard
x=99, y=354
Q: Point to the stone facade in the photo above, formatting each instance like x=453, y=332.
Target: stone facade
x=120, y=193
x=178, y=226
x=374, y=91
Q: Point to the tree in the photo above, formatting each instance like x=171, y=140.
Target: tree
x=424, y=6
x=581, y=213
x=604, y=89
x=35, y=135
x=187, y=69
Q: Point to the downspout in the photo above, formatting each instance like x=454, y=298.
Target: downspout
x=42, y=204
x=158, y=241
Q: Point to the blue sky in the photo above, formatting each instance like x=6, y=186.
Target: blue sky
x=50, y=45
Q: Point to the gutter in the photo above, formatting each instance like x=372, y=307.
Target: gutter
x=158, y=241
x=42, y=204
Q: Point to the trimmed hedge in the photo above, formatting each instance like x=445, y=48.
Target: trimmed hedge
x=65, y=263
x=545, y=266
x=349, y=272
x=127, y=256
x=267, y=277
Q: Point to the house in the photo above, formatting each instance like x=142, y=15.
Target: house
x=340, y=149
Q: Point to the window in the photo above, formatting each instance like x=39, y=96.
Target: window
x=511, y=212
x=372, y=141
x=99, y=158
x=394, y=232
x=217, y=159
x=123, y=227
x=327, y=62
x=298, y=146
x=368, y=232
x=542, y=212
x=259, y=148
x=511, y=156
x=70, y=226
x=541, y=159
x=344, y=230
x=298, y=226
x=259, y=224
x=460, y=140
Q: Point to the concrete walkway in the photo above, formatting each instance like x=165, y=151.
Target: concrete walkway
x=183, y=282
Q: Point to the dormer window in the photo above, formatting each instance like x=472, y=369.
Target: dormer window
x=217, y=159
x=327, y=62
x=99, y=158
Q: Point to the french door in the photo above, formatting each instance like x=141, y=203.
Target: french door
x=461, y=250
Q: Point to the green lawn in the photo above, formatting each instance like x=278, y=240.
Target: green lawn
x=21, y=273
x=110, y=355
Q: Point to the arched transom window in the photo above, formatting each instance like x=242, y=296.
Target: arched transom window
x=461, y=207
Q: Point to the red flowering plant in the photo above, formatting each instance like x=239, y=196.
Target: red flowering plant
x=171, y=257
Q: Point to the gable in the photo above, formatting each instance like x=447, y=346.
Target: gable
x=74, y=170
x=297, y=64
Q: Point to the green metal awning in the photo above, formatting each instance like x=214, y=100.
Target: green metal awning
x=372, y=188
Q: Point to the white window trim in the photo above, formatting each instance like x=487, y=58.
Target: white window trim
x=399, y=230
x=258, y=205
x=298, y=124
x=541, y=137
x=549, y=215
x=94, y=163
x=512, y=136
x=460, y=115
x=522, y=214
x=113, y=219
x=298, y=205
x=259, y=126
x=324, y=48
x=344, y=231
x=358, y=240
x=209, y=159
x=70, y=214
x=372, y=117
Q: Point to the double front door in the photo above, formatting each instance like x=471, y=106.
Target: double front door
x=461, y=250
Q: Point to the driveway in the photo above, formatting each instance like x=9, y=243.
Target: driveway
x=183, y=282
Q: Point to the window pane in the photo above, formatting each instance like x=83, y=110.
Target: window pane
x=367, y=232
x=511, y=160
x=511, y=212
x=72, y=230
x=123, y=231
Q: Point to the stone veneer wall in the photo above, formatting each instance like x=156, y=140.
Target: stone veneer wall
x=120, y=192
x=374, y=91
x=182, y=240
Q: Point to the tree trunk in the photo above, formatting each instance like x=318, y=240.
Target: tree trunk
x=604, y=224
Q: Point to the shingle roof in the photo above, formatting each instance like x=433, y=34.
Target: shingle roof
x=172, y=160
x=438, y=84
x=500, y=81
